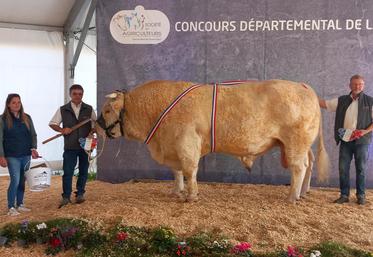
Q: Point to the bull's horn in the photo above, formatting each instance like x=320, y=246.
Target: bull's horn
x=112, y=95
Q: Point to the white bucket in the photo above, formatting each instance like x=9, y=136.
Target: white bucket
x=38, y=178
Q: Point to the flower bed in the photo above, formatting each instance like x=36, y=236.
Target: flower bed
x=92, y=240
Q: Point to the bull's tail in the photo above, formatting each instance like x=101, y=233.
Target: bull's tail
x=322, y=158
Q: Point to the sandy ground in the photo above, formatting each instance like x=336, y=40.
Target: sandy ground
x=258, y=214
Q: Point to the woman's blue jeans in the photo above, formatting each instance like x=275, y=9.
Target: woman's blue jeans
x=348, y=150
x=16, y=190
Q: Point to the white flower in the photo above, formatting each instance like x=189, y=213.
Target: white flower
x=182, y=244
x=315, y=253
x=41, y=226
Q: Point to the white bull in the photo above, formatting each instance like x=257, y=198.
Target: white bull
x=251, y=118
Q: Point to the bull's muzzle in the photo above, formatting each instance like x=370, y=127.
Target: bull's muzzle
x=102, y=123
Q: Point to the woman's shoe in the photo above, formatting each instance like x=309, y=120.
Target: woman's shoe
x=23, y=208
x=13, y=212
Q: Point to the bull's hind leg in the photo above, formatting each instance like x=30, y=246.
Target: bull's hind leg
x=179, y=183
x=307, y=177
x=298, y=165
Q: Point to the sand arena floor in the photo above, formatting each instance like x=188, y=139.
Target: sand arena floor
x=258, y=214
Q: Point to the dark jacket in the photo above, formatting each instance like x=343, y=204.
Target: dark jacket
x=18, y=140
x=364, y=118
x=69, y=120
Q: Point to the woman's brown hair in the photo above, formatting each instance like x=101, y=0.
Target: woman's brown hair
x=8, y=116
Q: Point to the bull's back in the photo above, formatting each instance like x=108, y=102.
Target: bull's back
x=256, y=114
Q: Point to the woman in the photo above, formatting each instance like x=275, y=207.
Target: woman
x=17, y=145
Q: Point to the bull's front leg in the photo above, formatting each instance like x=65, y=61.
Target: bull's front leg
x=189, y=152
x=179, y=184
x=191, y=176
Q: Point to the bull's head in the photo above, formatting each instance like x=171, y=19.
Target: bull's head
x=110, y=122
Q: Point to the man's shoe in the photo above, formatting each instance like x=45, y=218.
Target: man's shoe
x=361, y=200
x=13, y=212
x=342, y=199
x=23, y=208
x=80, y=199
x=64, y=201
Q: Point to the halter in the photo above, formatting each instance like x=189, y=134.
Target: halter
x=101, y=121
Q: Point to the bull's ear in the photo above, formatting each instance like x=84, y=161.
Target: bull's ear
x=112, y=95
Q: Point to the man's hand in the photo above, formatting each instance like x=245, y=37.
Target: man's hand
x=34, y=154
x=63, y=131
x=3, y=162
x=66, y=131
x=92, y=134
x=322, y=103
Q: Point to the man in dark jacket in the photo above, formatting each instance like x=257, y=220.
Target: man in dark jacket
x=70, y=115
x=353, y=131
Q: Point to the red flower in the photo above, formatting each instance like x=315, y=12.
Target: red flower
x=121, y=236
x=178, y=252
x=55, y=242
x=241, y=247
x=293, y=252
x=183, y=252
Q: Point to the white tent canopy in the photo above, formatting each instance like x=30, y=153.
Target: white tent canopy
x=43, y=13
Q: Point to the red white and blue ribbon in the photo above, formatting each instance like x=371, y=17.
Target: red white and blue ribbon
x=213, y=116
x=169, y=108
x=214, y=108
x=88, y=144
x=213, y=111
x=348, y=135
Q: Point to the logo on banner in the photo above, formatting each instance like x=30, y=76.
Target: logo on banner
x=139, y=26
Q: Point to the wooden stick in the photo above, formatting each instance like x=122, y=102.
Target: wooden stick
x=72, y=129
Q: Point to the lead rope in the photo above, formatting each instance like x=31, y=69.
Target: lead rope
x=91, y=159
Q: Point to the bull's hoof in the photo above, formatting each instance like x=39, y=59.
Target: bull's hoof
x=178, y=194
x=192, y=198
x=304, y=194
x=292, y=199
x=248, y=169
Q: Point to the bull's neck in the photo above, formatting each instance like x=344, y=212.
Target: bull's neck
x=140, y=117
